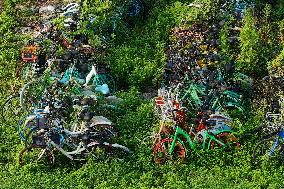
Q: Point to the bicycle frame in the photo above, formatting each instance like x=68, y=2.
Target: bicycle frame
x=218, y=105
x=80, y=148
x=193, y=144
x=278, y=140
x=36, y=115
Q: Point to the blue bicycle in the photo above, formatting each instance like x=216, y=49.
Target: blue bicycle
x=271, y=148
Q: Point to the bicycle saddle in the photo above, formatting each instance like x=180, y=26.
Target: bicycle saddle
x=100, y=120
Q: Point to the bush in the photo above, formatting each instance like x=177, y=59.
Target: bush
x=251, y=50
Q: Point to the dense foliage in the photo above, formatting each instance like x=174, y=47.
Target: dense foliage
x=136, y=51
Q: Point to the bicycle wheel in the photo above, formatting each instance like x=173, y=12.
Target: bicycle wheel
x=229, y=139
x=26, y=133
x=116, y=151
x=162, y=151
x=268, y=149
x=36, y=153
x=11, y=110
x=30, y=94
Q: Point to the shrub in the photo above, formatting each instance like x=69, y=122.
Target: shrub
x=251, y=50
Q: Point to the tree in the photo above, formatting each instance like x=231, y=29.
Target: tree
x=250, y=58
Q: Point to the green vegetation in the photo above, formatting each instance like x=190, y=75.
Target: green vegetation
x=137, y=55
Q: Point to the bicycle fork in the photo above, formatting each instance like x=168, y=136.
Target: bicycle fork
x=272, y=150
x=173, y=144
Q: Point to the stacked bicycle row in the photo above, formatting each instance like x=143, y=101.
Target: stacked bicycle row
x=176, y=139
x=60, y=105
x=197, y=89
x=196, y=46
x=59, y=108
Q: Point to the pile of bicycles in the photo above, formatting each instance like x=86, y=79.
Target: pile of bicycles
x=176, y=140
x=195, y=61
x=197, y=88
x=49, y=129
x=197, y=45
x=58, y=107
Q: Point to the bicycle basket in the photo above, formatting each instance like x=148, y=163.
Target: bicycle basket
x=29, y=54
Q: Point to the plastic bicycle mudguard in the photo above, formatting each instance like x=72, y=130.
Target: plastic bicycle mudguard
x=103, y=89
x=24, y=72
x=76, y=73
x=92, y=73
x=272, y=150
x=71, y=6
x=238, y=106
x=220, y=128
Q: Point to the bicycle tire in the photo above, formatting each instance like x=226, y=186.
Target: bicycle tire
x=30, y=95
x=118, y=151
x=29, y=153
x=161, y=151
x=11, y=110
x=262, y=151
x=115, y=150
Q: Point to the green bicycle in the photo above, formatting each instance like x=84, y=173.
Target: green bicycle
x=180, y=145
